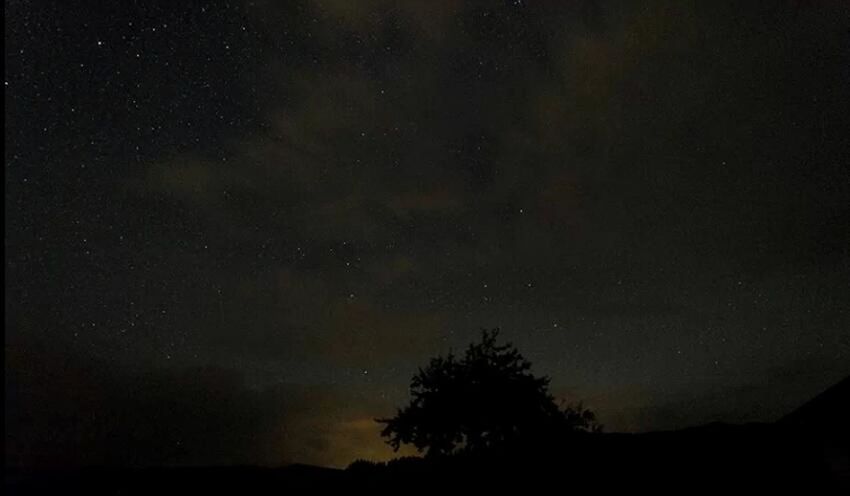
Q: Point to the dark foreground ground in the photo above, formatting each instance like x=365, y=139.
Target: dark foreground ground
x=807, y=452
x=761, y=457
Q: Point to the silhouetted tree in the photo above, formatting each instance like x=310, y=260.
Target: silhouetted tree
x=487, y=399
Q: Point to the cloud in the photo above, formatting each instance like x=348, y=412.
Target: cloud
x=437, y=200
x=64, y=411
x=359, y=332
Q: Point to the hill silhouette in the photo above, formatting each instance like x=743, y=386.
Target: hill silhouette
x=827, y=412
x=824, y=419
x=484, y=422
x=804, y=451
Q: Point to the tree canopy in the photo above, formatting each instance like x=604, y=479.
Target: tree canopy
x=484, y=400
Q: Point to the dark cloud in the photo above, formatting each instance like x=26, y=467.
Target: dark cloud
x=63, y=411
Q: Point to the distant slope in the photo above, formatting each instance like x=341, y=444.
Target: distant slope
x=805, y=452
x=827, y=413
x=826, y=419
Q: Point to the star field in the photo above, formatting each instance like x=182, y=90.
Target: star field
x=245, y=224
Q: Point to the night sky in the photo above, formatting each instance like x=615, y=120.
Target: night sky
x=234, y=230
